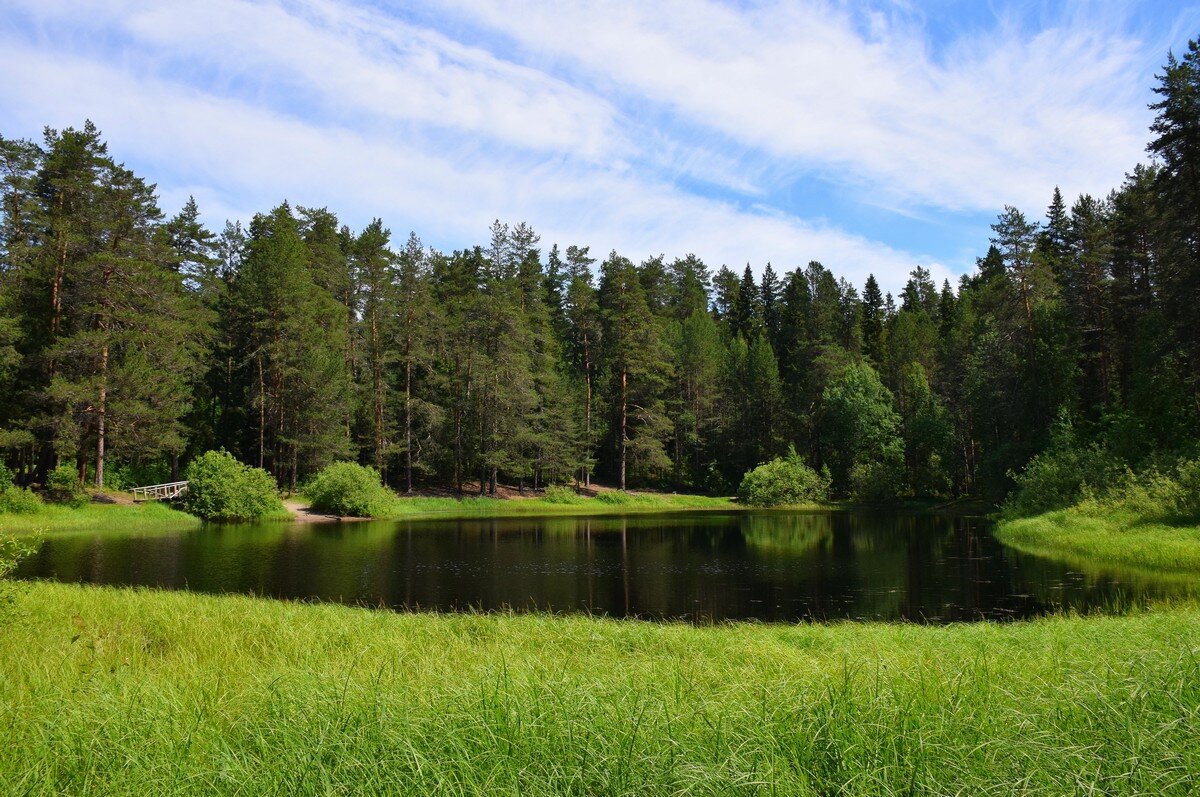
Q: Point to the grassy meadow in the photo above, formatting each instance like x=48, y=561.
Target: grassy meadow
x=119, y=691
x=562, y=503
x=1099, y=535
x=96, y=517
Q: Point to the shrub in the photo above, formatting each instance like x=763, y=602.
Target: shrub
x=1061, y=475
x=128, y=475
x=18, y=500
x=875, y=482
x=556, y=494
x=12, y=551
x=63, y=487
x=221, y=488
x=347, y=488
x=615, y=497
x=782, y=481
x=6, y=476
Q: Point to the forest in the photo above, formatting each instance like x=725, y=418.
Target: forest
x=131, y=341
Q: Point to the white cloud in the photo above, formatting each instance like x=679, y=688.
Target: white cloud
x=999, y=119
x=593, y=121
x=257, y=157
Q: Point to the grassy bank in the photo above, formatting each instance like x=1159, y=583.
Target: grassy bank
x=108, y=691
x=610, y=503
x=1092, y=536
x=54, y=518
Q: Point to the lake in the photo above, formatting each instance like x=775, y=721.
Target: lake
x=699, y=566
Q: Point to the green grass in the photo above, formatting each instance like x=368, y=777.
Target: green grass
x=52, y=518
x=112, y=691
x=610, y=503
x=1099, y=536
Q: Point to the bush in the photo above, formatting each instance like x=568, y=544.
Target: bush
x=1062, y=474
x=63, y=487
x=615, y=497
x=347, y=488
x=6, y=476
x=221, y=488
x=128, y=475
x=18, y=500
x=12, y=551
x=782, y=481
x=875, y=482
x=556, y=494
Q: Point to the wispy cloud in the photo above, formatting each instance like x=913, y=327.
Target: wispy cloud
x=670, y=127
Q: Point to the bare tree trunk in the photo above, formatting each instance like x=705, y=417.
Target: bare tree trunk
x=587, y=412
x=408, y=416
x=377, y=391
x=101, y=411
x=624, y=422
x=262, y=411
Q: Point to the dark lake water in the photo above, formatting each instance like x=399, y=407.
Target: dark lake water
x=703, y=566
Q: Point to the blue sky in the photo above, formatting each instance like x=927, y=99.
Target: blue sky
x=869, y=136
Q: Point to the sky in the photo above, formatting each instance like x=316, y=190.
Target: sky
x=872, y=136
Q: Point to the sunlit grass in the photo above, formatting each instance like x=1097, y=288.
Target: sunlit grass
x=1114, y=536
x=108, y=691
x=53, y=518
x=609, y=503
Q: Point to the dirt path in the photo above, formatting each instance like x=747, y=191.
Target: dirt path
x=303, y=513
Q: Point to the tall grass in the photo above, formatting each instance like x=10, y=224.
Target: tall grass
x=53, y=518
x=1148, y=521
x=556, y=502
x=108, y=691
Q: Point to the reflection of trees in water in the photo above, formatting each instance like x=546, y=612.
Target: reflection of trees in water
x=768, y=565
x=1078, y=583
x=786, y=533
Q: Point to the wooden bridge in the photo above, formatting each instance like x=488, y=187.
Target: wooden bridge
x=160, y=492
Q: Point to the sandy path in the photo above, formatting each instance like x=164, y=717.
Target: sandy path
x=303, y=513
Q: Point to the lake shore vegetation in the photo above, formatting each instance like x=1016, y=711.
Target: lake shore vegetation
x=140, y=692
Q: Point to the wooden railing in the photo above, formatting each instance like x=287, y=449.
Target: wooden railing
x=160, y=492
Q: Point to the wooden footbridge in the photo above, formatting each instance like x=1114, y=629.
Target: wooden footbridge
x=160, y=492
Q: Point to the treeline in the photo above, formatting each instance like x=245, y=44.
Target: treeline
x=131, y=338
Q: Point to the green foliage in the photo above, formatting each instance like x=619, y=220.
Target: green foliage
x=19, y=501
x=615, y=497
x=783, y=481
x=877, y=482
x=6, y=475
x=860, y=432
x=12, y=551
x=557, y=494
x=63, y=487
x=1062, y=474
x=350, y=489
x=221, y=488
x=128, y=475
x=255, y=697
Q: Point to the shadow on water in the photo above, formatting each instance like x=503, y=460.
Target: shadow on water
x=769, y=566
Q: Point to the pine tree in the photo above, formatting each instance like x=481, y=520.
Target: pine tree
x=745, y=318
x=725, y=293
x=638, y=368
x=872, y=319
x=376, y=277
x=414, y=325
x=584, y=343
x=770, y=292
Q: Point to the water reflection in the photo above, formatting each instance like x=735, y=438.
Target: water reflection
x=770, y=566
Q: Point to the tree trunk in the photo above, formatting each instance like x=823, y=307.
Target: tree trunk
x=262, y=411
x=624, y=422
x=377, y=391
x=101, y=410
x=587, y=411
x=407, y=416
